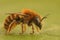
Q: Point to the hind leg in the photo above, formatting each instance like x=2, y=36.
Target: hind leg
x=12, y=25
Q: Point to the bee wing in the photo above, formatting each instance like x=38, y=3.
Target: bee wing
x=20, y=13
x=12, y=13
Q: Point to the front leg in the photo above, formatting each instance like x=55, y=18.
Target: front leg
x=30, y=24
x=32, y=28
x=37, y=28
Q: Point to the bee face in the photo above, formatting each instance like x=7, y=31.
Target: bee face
x=37, y=22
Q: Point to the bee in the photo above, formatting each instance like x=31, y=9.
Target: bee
x=26, y=16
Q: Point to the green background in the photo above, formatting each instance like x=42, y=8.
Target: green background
x=51, y=25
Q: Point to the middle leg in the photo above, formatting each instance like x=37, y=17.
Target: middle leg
x=23, y=28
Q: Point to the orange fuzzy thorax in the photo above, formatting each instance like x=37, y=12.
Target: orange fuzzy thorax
x=31, y=13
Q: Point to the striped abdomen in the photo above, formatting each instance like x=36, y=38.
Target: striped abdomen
x=9, y=20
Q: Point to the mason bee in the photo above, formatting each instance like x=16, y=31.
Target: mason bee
x=26, y=16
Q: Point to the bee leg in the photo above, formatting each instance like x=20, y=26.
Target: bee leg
x=37, y=29
x=8, y=31
x=32, y=29
x=23, y=28
x=13, y=24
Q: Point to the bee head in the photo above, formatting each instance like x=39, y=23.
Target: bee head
x=37, y=22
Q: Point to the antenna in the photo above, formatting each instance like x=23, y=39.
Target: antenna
x=45, y=17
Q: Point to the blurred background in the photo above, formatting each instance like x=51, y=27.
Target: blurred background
x=51, y=25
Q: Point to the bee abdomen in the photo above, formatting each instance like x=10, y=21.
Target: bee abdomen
x=8, y=21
